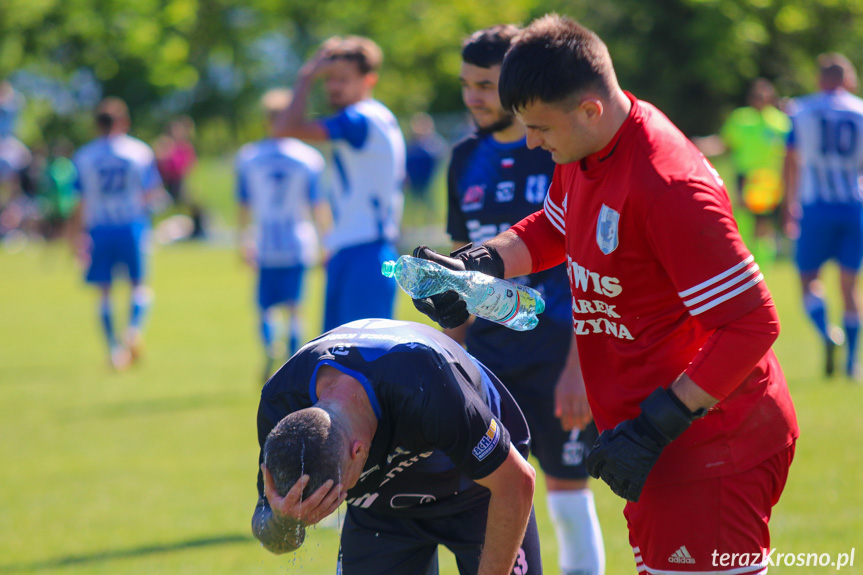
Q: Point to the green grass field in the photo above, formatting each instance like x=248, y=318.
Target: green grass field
x=153, y=470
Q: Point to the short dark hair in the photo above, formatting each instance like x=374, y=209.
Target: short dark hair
x=306, y=442
x=486, y=48
x=551, y=60
x=110, y=112
x=838, y=69
x=357, y=49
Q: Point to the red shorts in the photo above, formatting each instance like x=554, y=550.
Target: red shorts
x=716, y=525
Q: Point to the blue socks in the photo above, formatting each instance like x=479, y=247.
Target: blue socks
x=851, y=323
x=107, y=322
x=266, y=329
x=816, y=309
x=141, y=299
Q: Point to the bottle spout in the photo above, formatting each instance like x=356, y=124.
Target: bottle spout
x=388, y=268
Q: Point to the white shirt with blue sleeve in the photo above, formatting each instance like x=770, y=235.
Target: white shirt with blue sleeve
x=366, y=175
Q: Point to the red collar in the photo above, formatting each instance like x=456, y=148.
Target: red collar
x=596, y=159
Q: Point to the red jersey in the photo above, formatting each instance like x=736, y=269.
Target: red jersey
x=656, y=264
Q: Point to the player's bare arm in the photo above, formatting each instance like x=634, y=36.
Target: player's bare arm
x=281, y=527
x=790, y=209
x=511, y=487
x=514, y=253
x=294, y=122
x=570, y=397
x=245, y=237
x=691, y=395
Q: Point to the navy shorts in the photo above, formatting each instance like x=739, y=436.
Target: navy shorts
x=561, y=453
x=118, y=246
x=830, y=231
x=356, y=288
x=279, y=285
x=378, y=543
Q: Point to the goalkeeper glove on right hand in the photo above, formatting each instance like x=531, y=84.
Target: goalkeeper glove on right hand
x=623, y=456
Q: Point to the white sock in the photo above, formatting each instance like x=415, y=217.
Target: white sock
x=579, y=537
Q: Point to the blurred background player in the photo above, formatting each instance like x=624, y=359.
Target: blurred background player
x=57, y=188
x=494, y=181
x=277, y=188
x=365, y=180
x=119, y=186
x=825, y=204
x=11, y=102
x=175, y=157
x=425, y=149
x=15, y=159
x=755, y=135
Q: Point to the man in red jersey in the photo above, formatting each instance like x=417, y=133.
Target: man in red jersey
x=673, y=320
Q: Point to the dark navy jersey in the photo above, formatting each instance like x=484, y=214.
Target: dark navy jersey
x=443, y=418
x=491, y=186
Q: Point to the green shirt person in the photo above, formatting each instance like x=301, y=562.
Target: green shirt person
x=755, y=135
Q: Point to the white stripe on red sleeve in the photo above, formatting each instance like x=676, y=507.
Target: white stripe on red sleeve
x=722, y=287
x=554, y=214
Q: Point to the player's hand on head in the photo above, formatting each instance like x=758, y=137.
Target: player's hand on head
x=309, y=511
x=317, y=64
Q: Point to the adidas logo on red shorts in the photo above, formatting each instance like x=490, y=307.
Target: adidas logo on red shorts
x=681, y=556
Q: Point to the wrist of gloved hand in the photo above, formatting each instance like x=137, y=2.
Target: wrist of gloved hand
x=624, y=456
x=482, y=259
x=665, y=417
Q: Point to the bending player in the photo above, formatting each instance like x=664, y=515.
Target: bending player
x=423, y=442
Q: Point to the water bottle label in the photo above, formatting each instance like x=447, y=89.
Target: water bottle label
x=503, y=304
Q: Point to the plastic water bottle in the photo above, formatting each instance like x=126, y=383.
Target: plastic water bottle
x=494, y=299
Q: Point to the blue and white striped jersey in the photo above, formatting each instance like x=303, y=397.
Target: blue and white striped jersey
x=114, y=175
x=366, y=175
x=277, y=179
x=827, y=133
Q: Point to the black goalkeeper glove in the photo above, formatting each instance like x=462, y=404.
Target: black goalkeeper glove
x=447, y=308
x=623, y=456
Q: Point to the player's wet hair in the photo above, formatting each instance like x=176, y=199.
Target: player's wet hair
x=486, y=48
x=551, y=61
x=306, y=442
x=110, y=112
x=361, y=51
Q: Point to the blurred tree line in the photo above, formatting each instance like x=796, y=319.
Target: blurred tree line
x=212, y=59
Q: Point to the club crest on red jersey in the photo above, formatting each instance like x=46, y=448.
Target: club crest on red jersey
x=606, y=229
